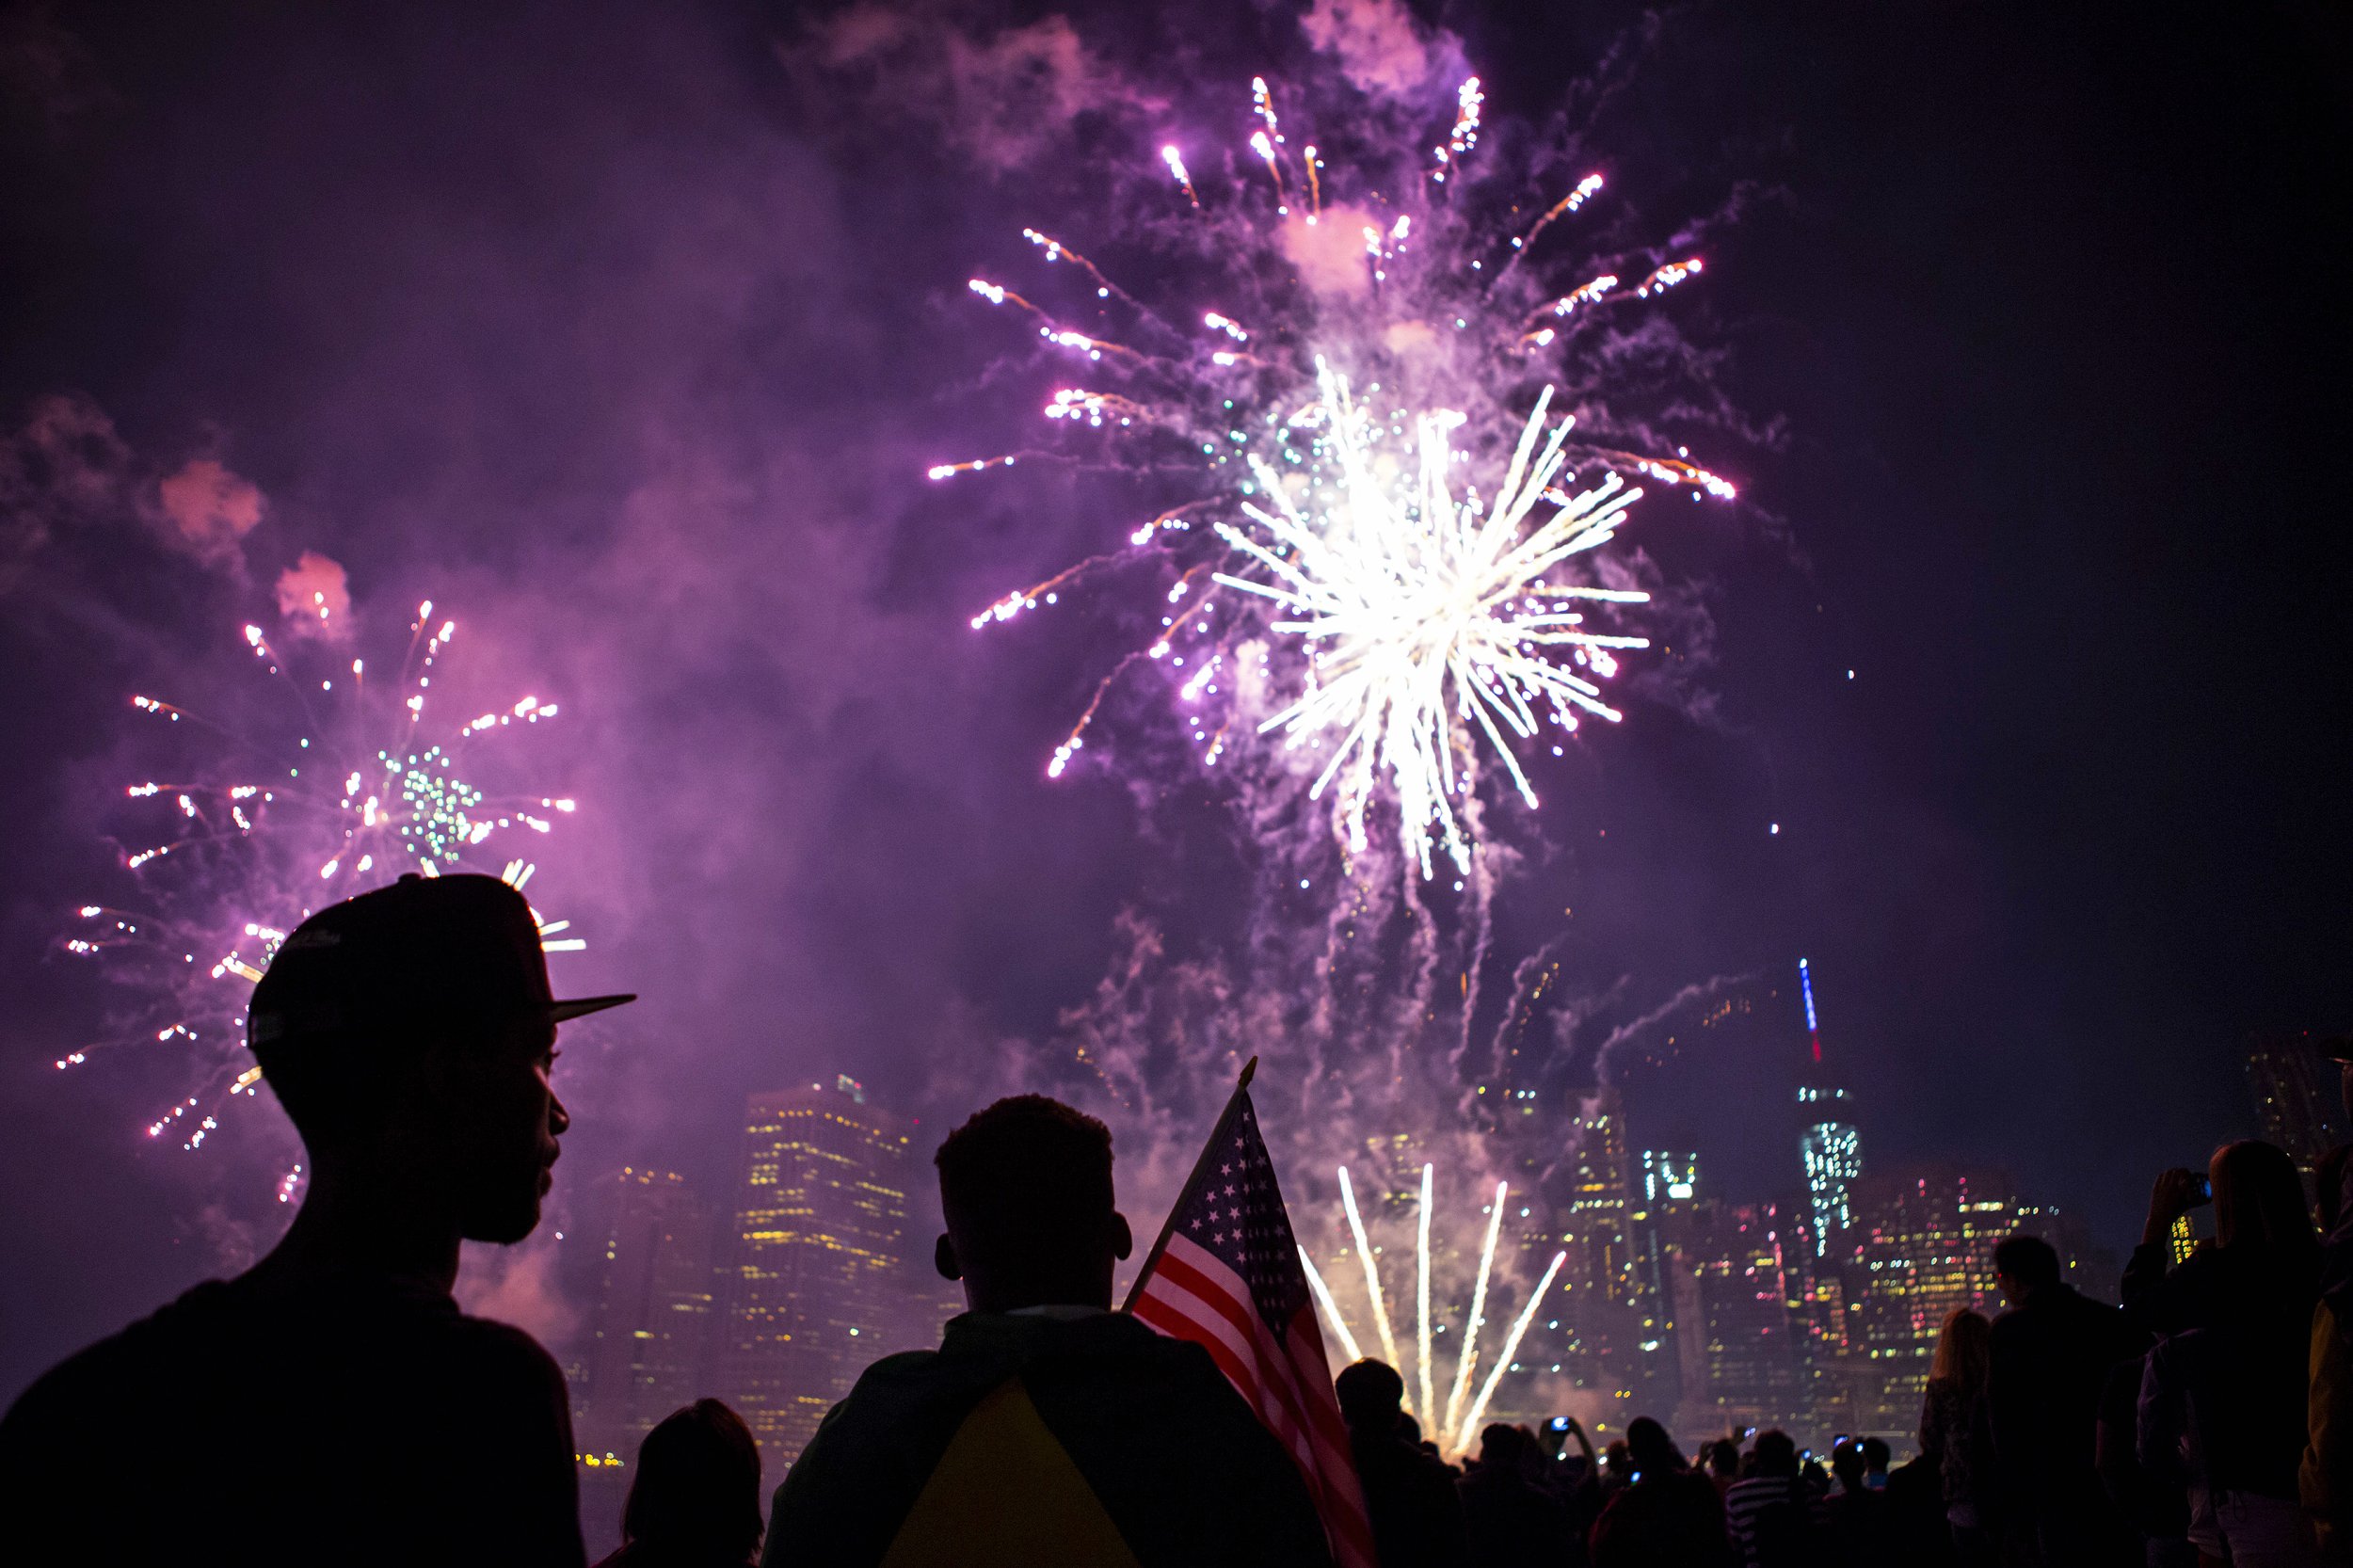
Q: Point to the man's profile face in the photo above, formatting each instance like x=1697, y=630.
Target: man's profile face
x=505, y=1124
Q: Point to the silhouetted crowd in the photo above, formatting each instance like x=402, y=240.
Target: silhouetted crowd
x=333, y=1405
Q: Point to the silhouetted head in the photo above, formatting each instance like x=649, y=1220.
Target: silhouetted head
x=1775, y=1455
x=409, y=1033
x=1371, y=1396
x=1848, y=1464
x=1652, y=1450
x=1026, y=1189
x=1965, y=1349
x=695, y=1497
x=2258, y=1200
x=2024, y=1264
x=1505, y=1446
x=1723, y=1458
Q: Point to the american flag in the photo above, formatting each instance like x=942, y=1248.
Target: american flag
x=1227, y=1277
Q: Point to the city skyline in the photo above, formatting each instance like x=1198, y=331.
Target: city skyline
x=1711, y=1310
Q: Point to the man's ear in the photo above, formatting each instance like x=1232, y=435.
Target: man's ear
x=440, y=1069
x=944, y=1259
x=432, y=1082
x=1123, y=1240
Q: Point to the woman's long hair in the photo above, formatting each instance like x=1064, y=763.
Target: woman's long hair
x=1964, y=1347
x=2259, y=1203
x=697, y=1495
x=1653, y=1452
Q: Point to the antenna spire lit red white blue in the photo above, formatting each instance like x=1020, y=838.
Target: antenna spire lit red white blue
x=1813, y=1029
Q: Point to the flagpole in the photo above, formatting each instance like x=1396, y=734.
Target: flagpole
x=1217, y=1134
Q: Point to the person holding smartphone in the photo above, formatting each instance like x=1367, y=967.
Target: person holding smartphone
x=2223, y=1394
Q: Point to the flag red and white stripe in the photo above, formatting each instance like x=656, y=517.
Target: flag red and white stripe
x=1226, y=1275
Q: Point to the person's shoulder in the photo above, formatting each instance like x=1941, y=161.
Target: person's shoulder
x=1427, y=1464
x=502, y=1346
x=892, y=1378
x=130, y=1358
x=877, y=1407
x=1118, y=1349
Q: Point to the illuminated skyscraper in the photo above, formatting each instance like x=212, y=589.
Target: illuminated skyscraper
x=1662, y=1226
x=2296, y=1096
x=653, y=1309
x=815, y=1291
x=1751, y=1346
x=1829, y=1148
x=1599, y=1198
x=1669, y=1178
x=1926, y=1241
x=1583, y=1333
x=1598, y=1293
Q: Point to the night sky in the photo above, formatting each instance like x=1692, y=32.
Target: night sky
x=625, y=332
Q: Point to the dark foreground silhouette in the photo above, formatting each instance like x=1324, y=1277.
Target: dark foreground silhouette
x=1046, y=1428
x=693, y=1500
x=332, y=1404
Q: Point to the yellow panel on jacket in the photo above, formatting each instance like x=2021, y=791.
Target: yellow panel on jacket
x=1005, y=1495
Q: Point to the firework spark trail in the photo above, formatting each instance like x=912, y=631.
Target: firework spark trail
x=1467, y=1356
x=1330, y=1308
x=1454, y=1428
x=1421, y=1293
x=1511, y=1347
x=365, y=792
x=1567, y=204
x=1465, y=134
x=1372, y=1273
x=1415, y=626
x=1104, y=288
x=1175, y=162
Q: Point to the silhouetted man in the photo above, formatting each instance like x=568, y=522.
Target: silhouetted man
x=1774, y=1518
x=1045, y=1428
x=1859, y=1521
x=2052, y=1353
x=1509, y=1514
x=332, y=1404
x=1416, y=1515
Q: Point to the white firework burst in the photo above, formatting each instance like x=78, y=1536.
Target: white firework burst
x=1430, y=618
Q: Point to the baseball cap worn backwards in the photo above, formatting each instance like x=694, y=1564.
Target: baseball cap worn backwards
x=423, y=952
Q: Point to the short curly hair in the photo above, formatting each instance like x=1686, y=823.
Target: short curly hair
x=1024, y=1176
